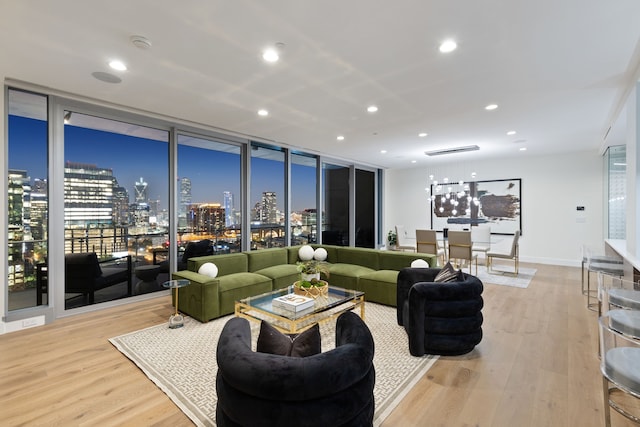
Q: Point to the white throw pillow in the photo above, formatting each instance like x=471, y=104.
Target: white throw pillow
x=419, y=263
x=320, y=254
x=305, y=253
x=208, y=269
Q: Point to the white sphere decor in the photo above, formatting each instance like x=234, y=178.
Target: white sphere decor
x=320, y=254
x=305, y=253
x=208, y=269
x=419, y=263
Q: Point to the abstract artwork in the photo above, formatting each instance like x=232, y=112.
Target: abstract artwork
x=495, y=203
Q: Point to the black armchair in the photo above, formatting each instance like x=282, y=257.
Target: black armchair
x=334, y=388
x=440, y=318
x=85, y=274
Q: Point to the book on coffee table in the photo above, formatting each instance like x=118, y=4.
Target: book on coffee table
x=293, y=302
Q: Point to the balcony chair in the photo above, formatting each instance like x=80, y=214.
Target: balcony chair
x=513, y=254
x=403, y=241
x=461, y=248
x=193, y=249
x=427, y=243
x=85, y=274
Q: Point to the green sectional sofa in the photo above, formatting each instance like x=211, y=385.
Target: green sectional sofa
x=245, y=274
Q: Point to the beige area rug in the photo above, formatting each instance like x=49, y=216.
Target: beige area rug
x=503, y=275
x=182, y=362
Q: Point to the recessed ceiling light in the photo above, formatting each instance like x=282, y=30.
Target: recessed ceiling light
x=413, y=161
x=448, y=46
x=117, y=65
x=340, y=138
x=511, y=132
x=372, y=108
x=523, y=148
x=491, y=107
x=422, y=134
x=270, y=55
x=263, y=113
x=383, y=151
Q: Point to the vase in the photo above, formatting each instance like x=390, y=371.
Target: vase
x=306, y=277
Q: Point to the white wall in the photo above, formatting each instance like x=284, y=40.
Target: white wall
x=552, y=187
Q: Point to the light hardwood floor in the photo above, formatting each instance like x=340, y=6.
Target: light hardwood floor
x=537, y=365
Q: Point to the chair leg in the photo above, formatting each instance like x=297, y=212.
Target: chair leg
x=607, y=409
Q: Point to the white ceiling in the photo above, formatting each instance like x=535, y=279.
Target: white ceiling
x=558, y=69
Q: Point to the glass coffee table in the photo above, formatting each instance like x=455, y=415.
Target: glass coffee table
x=325, y=308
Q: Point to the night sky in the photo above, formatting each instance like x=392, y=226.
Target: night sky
x=130, y=158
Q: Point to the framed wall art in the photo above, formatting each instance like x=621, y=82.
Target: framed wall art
x=495, y=203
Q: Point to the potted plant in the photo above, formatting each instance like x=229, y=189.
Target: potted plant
x=310, y=283
x=392, y=239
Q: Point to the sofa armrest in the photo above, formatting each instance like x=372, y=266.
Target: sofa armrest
x=200, y=299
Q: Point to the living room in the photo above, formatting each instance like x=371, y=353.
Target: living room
x=563, y=195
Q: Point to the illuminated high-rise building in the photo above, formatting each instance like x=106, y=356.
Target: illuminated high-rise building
x=141, y=191
x=228, y=209
x=184, y=200
x=268, y=212
x=88, y=195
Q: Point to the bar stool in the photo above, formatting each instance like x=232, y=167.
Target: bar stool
x=604, y=268
x=608, y=264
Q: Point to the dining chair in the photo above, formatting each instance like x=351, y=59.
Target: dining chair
x=481, y=238
x=513, y=254
x=620, y=353
x=460, y=248
x=404, y=243
x=427, y=243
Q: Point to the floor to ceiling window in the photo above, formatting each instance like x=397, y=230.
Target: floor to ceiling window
x=209, y=196
x=116, y=213
x=303, y=199
x=28, y=210
x=267, y=197
x=335, y=224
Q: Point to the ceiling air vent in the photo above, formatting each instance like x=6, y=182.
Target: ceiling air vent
x=452, y=150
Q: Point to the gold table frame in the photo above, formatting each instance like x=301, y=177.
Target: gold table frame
x=288, y=322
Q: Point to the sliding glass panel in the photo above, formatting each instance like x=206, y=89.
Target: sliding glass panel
x=365, y=208
x=28, y=207
x=335, y=226
x=267, y=197
x=116, y=197
x=209, y=195
x=303, y=199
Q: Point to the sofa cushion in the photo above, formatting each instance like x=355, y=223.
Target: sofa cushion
x=272, y=341
x=236, y=286
x=305, y=253
x=379, y=286
x=447, y=274
x=346, y=275
x=392, y=260
x=359, y=256
x=266, y=258
x=281, y=275
x=227, y=263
